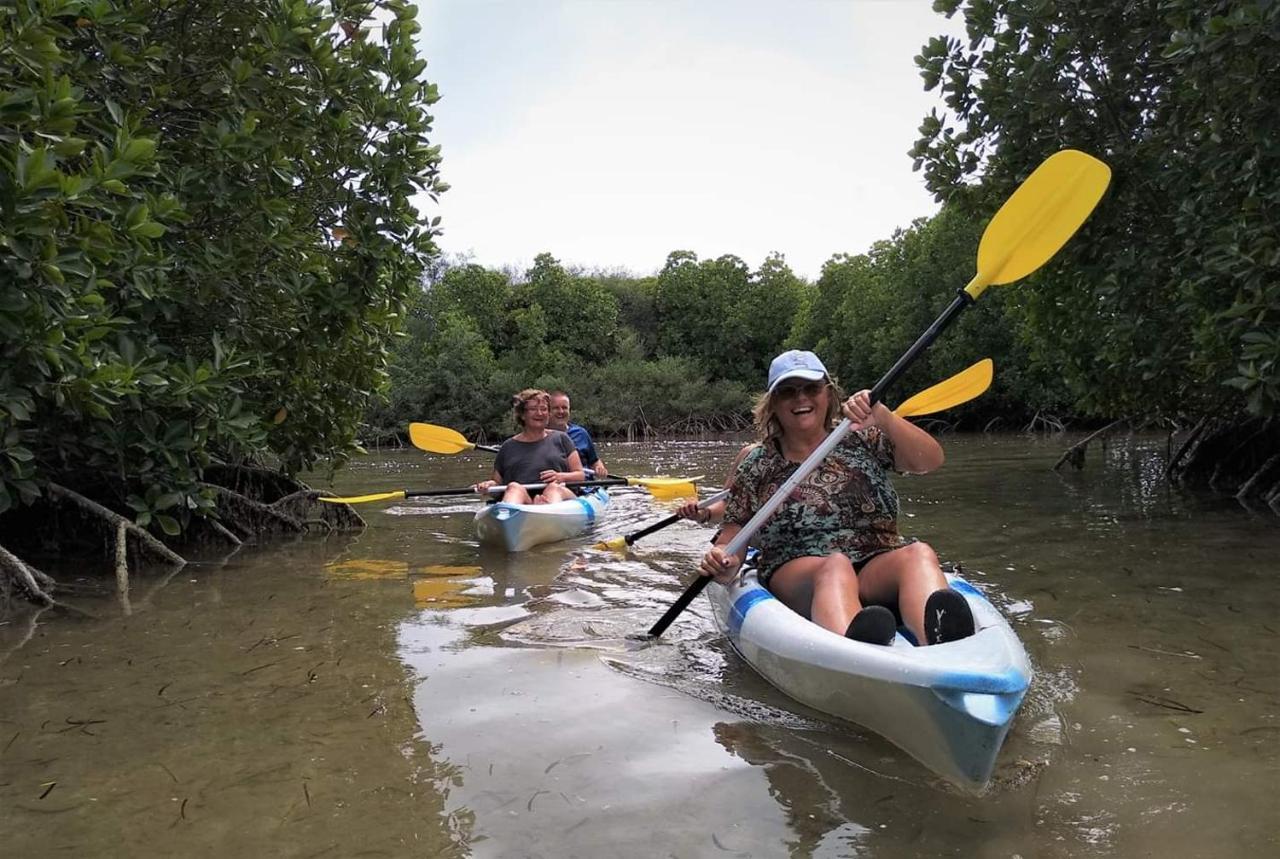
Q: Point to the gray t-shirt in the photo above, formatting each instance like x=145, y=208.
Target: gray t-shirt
x=523, y=461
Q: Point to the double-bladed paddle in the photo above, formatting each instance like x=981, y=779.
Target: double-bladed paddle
x=438, y=439
x=960, y=388
x=1032, y=225
x=661, y=487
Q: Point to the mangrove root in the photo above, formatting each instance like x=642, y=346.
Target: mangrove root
x=35, y=584
x=117, y=527
x=1075, y=453
x=1191, y=439
x=252, y=518
x=250, y=481
x=1253, y=483
x=304, y=506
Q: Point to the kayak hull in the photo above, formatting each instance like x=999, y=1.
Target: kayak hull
x=949, y=706
x=517, y=527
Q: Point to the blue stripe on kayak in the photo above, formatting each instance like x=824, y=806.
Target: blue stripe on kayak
x=744, y=604
x=988, y=684
x=586, y=505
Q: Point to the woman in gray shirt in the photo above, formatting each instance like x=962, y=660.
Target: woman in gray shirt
x=536, y=454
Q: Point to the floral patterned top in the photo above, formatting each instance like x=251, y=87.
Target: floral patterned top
x=847, y=504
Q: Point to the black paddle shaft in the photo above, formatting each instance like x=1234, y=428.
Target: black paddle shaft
x=695, y=588
x=656, y=526
x=532, y=487
x=674, y=518
x=925, y=340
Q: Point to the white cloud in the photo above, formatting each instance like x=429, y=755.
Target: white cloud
x=624, y=131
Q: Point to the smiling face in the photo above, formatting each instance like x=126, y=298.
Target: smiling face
x=559, y=412
x=801, y=405
x=531, y=408
x=537, y=413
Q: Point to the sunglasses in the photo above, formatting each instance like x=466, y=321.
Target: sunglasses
x=809, y=389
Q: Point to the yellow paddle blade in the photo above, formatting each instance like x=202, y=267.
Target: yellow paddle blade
x=438, y=439
x=1037, y=220
x=670, y=492
x=364, y=499
x=617, y=544
x=960, y=388
x=666, y=488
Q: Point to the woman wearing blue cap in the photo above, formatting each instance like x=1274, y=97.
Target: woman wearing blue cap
x=833, y=552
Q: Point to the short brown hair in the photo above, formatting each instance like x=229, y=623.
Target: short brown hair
x=521, y=401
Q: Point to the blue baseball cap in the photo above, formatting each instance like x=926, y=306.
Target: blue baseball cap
x=796, y=364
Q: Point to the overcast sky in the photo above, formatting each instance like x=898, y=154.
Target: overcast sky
x=612, y=132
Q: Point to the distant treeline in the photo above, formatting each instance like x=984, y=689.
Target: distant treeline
x=686, y=351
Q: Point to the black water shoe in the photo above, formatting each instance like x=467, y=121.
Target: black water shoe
x=947, y=617
x=874, y=625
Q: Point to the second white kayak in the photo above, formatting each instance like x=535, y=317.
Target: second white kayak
x=517, y=527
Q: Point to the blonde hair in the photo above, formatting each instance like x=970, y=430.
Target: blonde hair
x=765, y=417
x=521, y=401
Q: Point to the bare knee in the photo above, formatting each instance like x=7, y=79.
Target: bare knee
x=919, y=555
x=920, y=568
x=515, y=494
x=901, y=576
x=552, y=494
x=836, y=569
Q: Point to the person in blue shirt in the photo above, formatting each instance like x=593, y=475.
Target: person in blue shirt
x=581, y=438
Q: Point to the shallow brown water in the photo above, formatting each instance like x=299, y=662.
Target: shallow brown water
x=401, y=692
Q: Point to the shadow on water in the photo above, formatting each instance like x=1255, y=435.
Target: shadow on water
x=407, y=692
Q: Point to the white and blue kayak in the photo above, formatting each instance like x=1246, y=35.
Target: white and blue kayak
x=517, y=527
x=948, y=705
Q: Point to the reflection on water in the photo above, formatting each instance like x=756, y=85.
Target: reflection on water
x=434, y=585
x=408, y=693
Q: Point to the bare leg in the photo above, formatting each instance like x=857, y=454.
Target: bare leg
x=823, y=589
x=906, y=576
x=516, y=494
x=553, y=493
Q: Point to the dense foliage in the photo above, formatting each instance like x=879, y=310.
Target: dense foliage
x=476, y=336
x=685, y=351
x=206, y=237
x=722, y=315
x=1168, y=304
